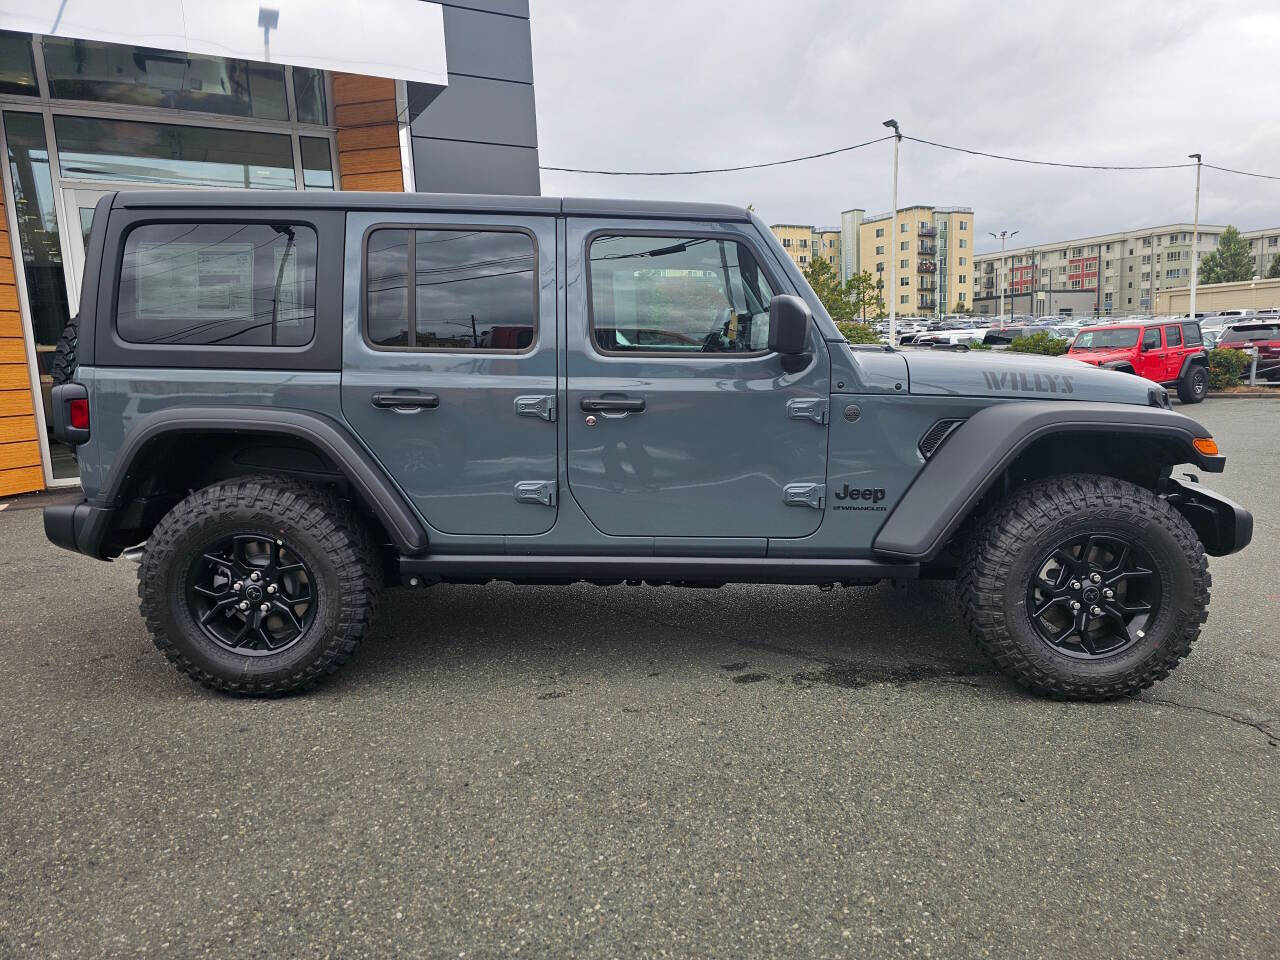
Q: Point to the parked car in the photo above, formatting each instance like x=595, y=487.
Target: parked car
x=1169, y=353
x=1265, y=337
x=275, y=430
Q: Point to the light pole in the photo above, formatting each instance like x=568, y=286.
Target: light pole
x=893, y=247
x=1002, y=237
x=1195, y=237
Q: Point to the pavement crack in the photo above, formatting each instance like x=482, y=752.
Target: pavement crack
x=1259, y=725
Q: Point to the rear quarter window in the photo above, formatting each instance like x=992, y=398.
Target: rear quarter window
x=1191, y=334
x=218, y=284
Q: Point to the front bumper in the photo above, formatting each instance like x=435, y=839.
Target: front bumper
x=81, y=527
x=1223, y=526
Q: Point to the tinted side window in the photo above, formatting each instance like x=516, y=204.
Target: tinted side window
x=1151, y=338
x=471, y=289
x=677, y=295
x=229, y=284
x=1173, y=336
x=1191, y=334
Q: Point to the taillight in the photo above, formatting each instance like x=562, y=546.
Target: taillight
x=78, y=413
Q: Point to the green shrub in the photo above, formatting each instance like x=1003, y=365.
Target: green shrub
x=857, y=332
x=1043, y=343
x=1226, y=367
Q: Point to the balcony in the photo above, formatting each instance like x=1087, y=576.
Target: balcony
x=926, y=283
x=989, y=268
x=926, y=303
x=927, y=248
x=926, y=266
x=927, y=231
x=988, y=282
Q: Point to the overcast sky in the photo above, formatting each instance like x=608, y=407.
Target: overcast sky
x=657, y=84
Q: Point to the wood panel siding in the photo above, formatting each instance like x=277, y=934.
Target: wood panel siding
x=20, y=470
x=368, y=135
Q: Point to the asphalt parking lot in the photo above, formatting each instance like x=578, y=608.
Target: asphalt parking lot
x=640, y=772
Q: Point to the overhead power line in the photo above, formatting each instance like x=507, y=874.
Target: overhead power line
x=1053, y=163
x=690, y=173
x=929, y=143
x=1242, y=173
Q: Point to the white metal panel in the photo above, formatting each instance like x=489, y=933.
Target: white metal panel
x=402, y=39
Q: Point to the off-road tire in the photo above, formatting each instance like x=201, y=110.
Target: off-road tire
x=323, y=530
x=1193, y=386
x=62, y=369
x=1005, y=546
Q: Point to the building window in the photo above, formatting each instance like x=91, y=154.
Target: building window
x=879, y=232
x=454, y=289
x=963, y=243
x=904, y=227
x=803, y=258
x=224, y=284
x=905, y=298
x=804, y=244
x=963, y=279
x=879, y=249
x=140, y=76
x=902, y=264
x=17, y=64
x=963, y=261
x=904, y=245
x=904, y=282
x=964, y=224
x=786, y=241
x=90, y=148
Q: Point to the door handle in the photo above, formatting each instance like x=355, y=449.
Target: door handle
x=405, y=401
x=612, y=404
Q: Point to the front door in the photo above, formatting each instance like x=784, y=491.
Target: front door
x=449, y=364
x=680, y=421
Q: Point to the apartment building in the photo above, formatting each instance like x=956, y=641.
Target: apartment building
x=933, y=250
x=804, y=242
x=850, y=242
x=1109, y=274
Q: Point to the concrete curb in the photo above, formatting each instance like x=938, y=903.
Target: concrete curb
x=1246, y=395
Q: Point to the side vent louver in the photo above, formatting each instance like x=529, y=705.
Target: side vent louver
x=936, y=435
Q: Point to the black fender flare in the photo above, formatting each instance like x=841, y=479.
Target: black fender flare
x=1120, y=366
x=1200, y=359
x=364, y=474
x=946, y=490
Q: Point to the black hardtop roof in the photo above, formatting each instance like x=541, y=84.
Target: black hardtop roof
x=429, y=202
x=1148, y=322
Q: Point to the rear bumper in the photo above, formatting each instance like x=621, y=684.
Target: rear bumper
x=1223, y=526
x=80, y=527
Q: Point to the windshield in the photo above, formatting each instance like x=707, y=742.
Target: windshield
x=1263, y=331
x=1115, y=338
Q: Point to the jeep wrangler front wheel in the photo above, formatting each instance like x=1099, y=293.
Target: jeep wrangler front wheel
x=259, y=586
x=1084, y=587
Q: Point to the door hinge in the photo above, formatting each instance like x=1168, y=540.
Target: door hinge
x=805, y=495
x=536, y=491
x=541, y=407
x=814, y=409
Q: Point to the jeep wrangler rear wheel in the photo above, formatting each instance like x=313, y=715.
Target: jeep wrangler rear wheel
x=1084, y=587
x=1194, y=385
x=259, y=586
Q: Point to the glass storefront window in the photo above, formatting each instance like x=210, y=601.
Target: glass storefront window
x=310, y=95
x=90, y=148
x=114, y=73
x=41, y=252
x=17, y=64
x=317, y=167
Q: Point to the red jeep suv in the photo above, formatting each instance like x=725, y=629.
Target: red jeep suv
x=1170, y=352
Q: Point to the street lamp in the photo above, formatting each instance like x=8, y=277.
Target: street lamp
x=1195, y=239
x=893, y=247
x=1002, y=237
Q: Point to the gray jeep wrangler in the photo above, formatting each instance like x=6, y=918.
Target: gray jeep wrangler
x=284, y=401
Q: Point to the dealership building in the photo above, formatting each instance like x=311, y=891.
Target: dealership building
x=265, y=94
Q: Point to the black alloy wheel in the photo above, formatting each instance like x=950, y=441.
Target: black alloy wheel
x=252, y=594
x=1093, y=596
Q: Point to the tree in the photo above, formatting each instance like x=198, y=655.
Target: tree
x=1273, y=271
x=852, y=300
x=1230, y=263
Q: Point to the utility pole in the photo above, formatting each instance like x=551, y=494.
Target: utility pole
x=893, y=247
x=1002, y=237
x=1195, y=238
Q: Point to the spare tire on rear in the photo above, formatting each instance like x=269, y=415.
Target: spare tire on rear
x=63, y=368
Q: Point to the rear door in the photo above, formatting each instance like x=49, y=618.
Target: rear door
x=449, y=364
x=680, y=421
x=1174, y=351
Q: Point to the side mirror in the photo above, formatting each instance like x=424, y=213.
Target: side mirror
x=789, y=318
